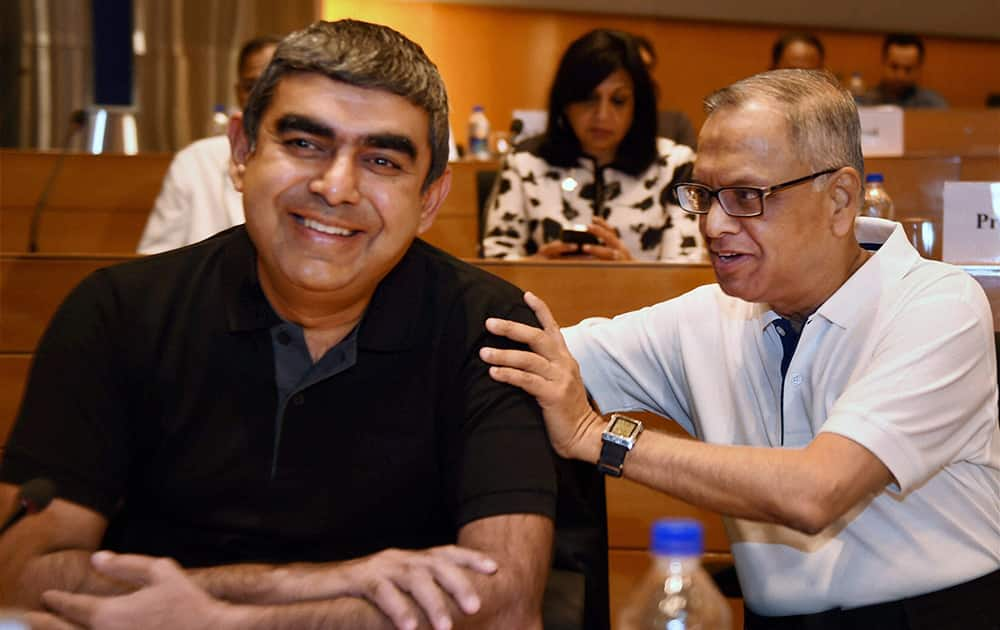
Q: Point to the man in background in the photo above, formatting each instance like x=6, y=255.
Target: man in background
x=197, y=199
x=902, y=63
x=798, y=50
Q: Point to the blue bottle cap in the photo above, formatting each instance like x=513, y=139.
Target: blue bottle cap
x=219, y=108
x=677, y=537
x=874, y=177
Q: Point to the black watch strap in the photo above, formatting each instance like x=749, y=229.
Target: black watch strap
x=612, y=459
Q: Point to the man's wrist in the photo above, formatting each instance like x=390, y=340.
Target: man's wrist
x=589, y=446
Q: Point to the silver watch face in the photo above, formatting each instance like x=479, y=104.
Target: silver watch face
x=623, y=427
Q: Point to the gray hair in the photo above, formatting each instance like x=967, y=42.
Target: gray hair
x=364, y=55
x=822, y=118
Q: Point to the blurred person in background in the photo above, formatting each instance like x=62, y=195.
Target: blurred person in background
x=798, y=50
x=599, y=164
x=197, y=199
x=902, y=64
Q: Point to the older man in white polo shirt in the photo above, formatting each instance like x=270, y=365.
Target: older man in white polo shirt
x=844, y=388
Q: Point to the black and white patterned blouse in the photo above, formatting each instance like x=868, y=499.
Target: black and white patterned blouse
x=534, y=200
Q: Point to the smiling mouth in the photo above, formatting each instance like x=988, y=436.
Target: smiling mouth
x=728, y=257
x=323, y=228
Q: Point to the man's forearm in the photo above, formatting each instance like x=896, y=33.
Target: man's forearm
x=67, y=570
x=347, y=612
x=273, y=584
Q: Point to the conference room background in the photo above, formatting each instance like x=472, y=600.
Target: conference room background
x=501, y=54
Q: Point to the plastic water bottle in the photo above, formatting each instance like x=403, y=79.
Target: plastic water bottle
x=220, y=121
x=877, y=202
x=479, y=134
x=856, y=85
x=677, y=593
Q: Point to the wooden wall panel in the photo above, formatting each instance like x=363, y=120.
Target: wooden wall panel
x=956, y=131
x=504, y=58
x=13, y=376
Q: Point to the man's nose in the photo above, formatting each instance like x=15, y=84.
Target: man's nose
x=717, y=222
x=337, y=182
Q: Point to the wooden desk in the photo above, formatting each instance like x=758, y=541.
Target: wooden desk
x=97, y=203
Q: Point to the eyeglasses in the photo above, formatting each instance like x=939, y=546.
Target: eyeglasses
x=736, y=201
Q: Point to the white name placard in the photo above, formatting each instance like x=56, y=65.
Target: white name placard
x=971, y=222
x=881, y=131
x=533, y=121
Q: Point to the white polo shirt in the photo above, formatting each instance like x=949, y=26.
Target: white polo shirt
x=900, y=359
x=197, y=198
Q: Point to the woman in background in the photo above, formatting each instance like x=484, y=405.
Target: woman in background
x=598, y=167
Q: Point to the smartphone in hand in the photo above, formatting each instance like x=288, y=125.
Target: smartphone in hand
x=579, y=235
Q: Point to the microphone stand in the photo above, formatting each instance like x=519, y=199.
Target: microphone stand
x=77, y=120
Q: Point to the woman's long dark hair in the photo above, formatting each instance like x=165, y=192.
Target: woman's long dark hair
x=586, y=63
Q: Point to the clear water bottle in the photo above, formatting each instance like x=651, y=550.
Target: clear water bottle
x=877, y=201
x=219, y=123
x=479, y=134
x=677, y=593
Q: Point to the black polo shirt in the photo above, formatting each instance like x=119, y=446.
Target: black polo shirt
x=153, y=400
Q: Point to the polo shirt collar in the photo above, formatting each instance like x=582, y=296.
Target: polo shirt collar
x=855, y=301
x=852, y=301
x=391, y=321
x=246, y=306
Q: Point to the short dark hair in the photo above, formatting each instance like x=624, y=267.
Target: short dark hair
x=364, y=55
x=252, y=46
x=586, y=63
x=783, y=42
x=903, y=39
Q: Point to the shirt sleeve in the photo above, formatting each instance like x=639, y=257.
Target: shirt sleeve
x=503, y=461
x=634, y=361
x=928, y=398
x=506, y=216
x=70, y=427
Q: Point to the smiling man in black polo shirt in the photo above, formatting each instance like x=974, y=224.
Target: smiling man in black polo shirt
x=306, y=388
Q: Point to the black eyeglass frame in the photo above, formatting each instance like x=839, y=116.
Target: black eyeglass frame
x=763, y=191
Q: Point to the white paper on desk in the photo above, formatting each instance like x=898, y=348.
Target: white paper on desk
x=881, y=131
x=971, y=222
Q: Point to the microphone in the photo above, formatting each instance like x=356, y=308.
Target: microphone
x=77, y=120
x=34, y=496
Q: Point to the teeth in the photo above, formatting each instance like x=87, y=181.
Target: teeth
x=326, y=229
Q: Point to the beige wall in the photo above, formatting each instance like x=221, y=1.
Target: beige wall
x=505, y=58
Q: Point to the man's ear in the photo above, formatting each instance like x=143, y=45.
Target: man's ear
x=844, y=193
x=239, y=147
x=431, y=200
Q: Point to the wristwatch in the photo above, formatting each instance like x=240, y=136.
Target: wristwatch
x=617, y=440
